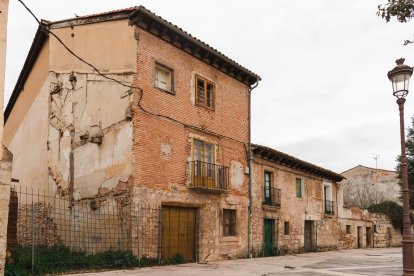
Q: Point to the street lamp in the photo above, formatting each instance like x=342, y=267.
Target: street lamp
x=400, y=77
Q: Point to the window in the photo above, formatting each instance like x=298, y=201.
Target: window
x=164, y=78
x=203, y=151
x=229, y=222
x=205, y=172
x=286, y=228
x=204, y=92
x=348, y=229
x=388, y=233
x=375, y=228
x=267, y=187
x=299, y=187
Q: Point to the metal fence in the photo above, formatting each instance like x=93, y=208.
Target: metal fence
x=38, y=221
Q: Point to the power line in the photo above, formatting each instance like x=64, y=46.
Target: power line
x=141, y=94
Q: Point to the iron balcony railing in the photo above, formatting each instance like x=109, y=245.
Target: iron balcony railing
x=329, y=207
x=272, y=197
x=208, y=176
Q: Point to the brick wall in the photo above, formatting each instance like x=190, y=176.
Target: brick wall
x=163, y=147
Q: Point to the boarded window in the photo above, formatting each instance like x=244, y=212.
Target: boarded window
x=205, y=92
x=318, y=190
x=229, y=222
x=299, y=187
x=286, y=228
x=164, y=78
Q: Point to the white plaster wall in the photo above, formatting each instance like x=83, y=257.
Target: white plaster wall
x=29, y=145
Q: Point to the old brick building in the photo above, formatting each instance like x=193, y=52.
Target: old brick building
x=169, y=129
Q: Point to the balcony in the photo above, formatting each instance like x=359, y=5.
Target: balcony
x=208, y=177
x=329, y=207
x=272, y=197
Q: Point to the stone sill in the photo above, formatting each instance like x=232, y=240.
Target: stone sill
x=329, y=215
x=270, y=207
x=229, y=239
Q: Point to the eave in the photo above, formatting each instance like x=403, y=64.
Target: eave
x=177, y=37
x=289, y=161
x=34, y=51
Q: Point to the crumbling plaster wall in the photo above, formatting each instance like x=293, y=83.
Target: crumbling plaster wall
x=90, y=134
x=293, y=210
x=90, y=130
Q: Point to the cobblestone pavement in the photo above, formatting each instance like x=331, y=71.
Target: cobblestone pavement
x=369, y=261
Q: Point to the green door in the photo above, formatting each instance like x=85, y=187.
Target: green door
x=268, y=237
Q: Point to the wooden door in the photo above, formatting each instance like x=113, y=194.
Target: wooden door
x=359, y=236
x=268, y=237
x=310, y=236
x=178, y=233
x=368, y=237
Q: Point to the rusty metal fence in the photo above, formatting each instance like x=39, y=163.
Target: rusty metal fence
x=93, y=226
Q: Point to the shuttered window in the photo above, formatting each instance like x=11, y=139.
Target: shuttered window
x=204, y=92
x=229, y=222
x=299, y=187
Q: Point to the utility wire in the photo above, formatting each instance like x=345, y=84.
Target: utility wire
x=45, y=28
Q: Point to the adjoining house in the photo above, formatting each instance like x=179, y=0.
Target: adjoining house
x=298, y=207
x=295, y=203
x=171, y=132
x=364, y=186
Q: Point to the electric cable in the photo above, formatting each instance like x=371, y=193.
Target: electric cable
x=141, y=94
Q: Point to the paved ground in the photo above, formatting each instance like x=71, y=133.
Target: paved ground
x=370, y=261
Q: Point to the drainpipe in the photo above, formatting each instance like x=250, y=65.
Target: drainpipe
x=249, y=218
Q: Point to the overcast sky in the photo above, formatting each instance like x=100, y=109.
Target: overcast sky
x=324, y=98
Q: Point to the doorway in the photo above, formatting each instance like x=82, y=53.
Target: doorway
x=178, y=233
x=359, y=236
x=368, y=237
x=310, y=236
x=269, y=237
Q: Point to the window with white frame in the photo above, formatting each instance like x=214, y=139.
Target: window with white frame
x=164, y=78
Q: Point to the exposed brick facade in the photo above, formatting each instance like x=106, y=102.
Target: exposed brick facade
x=163, y=147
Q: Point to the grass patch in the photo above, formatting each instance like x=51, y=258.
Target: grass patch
x=61, y=259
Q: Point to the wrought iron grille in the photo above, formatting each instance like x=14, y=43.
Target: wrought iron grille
x=272, y=197
x=329, y=207
x=208, y=176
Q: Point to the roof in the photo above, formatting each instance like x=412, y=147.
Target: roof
x=284, y=159
x=370, y=168
x=150, y=22
x=190, y=44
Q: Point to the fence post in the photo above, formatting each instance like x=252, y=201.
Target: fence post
x=33, y=236
x=159, y=234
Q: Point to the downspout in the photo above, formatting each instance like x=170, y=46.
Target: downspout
x=250, y=154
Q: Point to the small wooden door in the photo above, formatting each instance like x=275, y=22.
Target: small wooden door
x=268, y=237
x=368, y=237
x=178, y=233
x=359, y=236
x=310, y=236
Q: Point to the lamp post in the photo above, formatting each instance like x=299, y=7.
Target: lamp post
x=400, y=77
